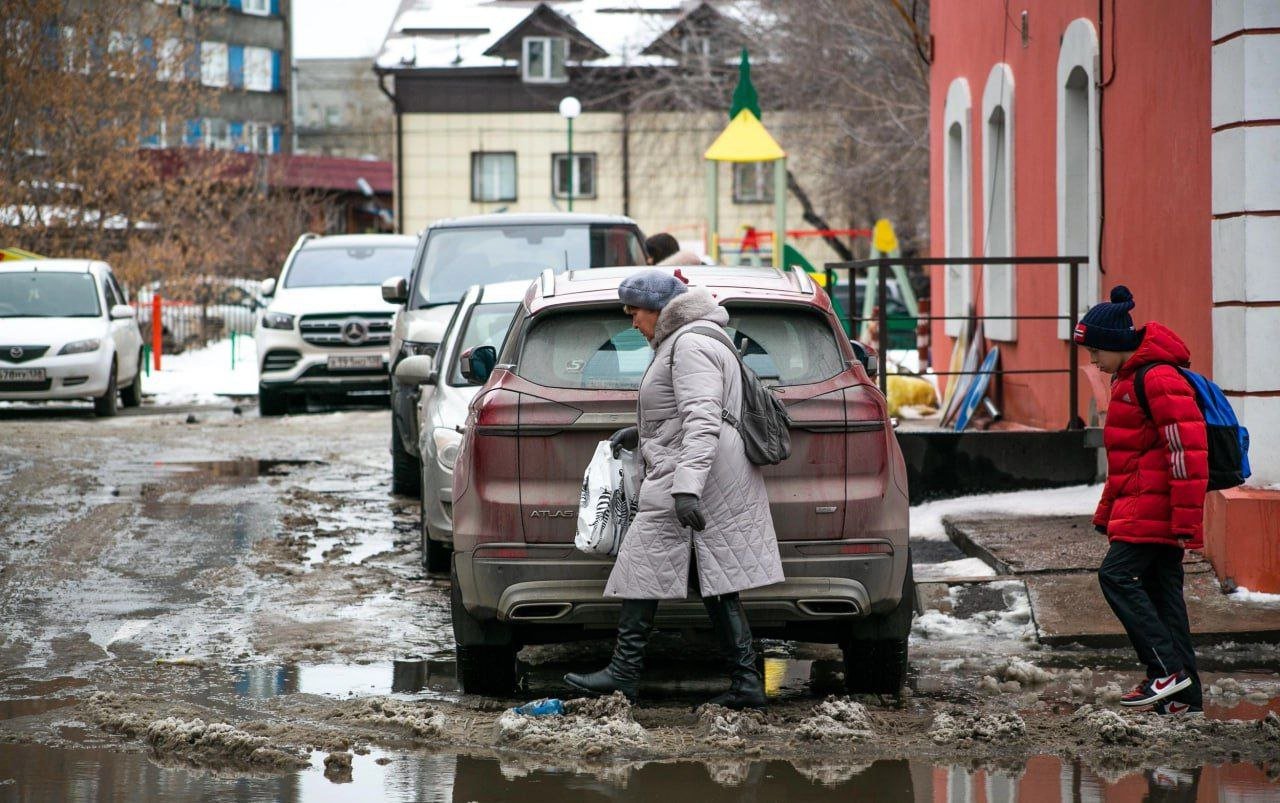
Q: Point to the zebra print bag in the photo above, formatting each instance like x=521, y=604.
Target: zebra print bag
x=610, y=497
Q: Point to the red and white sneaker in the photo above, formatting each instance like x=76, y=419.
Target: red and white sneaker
x=1153, y=690
x=1173, y=708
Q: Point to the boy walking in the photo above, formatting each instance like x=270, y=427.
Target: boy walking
x=1152, y=506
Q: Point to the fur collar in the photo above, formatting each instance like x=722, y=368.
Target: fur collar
x=686, y=308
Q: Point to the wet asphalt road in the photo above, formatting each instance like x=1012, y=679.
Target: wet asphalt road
x=204, y=554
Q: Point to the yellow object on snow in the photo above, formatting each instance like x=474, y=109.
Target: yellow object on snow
x=910, y=391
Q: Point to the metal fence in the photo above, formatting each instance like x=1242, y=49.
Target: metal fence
x=883, y=266
x=193, y=315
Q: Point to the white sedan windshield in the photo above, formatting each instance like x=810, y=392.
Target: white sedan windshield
x=40, y=294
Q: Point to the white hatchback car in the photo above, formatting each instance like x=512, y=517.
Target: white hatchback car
x=482, y=318
x=68, y=332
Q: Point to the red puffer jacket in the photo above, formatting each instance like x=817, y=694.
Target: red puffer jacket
x=1158, y=467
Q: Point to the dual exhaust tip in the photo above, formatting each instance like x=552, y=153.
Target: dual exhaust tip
x=547, y=611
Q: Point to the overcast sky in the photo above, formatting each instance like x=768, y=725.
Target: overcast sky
x=340, y=28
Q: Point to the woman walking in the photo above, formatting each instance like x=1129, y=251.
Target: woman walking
x=702, y=502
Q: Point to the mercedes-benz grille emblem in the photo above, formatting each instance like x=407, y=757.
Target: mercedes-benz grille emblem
x=354, y=332
x=16, y=352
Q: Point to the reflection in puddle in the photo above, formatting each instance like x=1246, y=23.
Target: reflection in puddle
x=238, y=468
x=434, y=679
x=41, y=773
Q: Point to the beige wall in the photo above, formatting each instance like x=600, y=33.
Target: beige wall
x=668, y=178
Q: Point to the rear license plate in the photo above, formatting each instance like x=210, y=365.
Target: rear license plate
x=349, y=362
x=21, y=374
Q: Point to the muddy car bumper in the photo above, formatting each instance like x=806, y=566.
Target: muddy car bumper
x=556, y=587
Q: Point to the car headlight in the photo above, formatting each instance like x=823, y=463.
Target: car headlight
x=448, y=444
x=81, y=346
x=277, y=320
x=415, y=348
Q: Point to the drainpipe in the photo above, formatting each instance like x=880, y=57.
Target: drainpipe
x=395, y=102
x=626, y=157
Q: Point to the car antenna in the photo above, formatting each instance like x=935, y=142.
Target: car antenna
x=566, y=260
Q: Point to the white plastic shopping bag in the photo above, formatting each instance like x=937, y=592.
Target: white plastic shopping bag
x=610, y=496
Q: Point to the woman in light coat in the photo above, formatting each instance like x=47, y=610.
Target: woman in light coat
x=700, y=494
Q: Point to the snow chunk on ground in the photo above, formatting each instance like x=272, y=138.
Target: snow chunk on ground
x=1110, y=727
x=1025, y=672
x=1013, y=623
x=589, y=729
x=836, y=718
x=1076, y=500
x=218, y=744
x=718, y=722
x=416, y=718
x=205, y=375
x=960, y=728
x=965, y=567
x=1242, y=594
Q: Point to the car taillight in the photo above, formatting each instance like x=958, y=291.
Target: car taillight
x=543, y=413
x=497, y=409
x=501, y=552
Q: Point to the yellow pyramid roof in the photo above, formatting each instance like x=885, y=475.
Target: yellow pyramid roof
x=744, y=140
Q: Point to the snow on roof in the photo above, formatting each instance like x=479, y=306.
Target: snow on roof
x=431, y=34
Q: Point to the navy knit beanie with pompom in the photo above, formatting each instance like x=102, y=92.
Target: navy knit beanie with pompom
x=1108, y=326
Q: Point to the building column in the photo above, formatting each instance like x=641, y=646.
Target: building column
x=1242, y=525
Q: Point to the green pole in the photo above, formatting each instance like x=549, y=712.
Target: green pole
x=570, y=166
x=233, y=349
x=146, y=358
x=779, y=212
x=713, y=211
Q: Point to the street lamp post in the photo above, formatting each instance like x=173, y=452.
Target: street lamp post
x=569, y=109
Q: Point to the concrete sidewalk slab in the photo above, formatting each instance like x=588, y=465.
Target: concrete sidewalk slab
x=1057, y=558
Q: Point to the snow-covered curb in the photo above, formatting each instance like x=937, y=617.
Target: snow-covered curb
x=1076, y=500
x=204, y=375
x=1242, y=594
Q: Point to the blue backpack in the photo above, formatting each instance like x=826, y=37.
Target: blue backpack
x=1228, y=441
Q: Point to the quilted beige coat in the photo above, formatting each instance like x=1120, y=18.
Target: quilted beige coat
x=688, y=448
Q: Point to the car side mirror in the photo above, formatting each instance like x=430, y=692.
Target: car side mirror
x=269, y=287
x=476, y=364
x=120, y=311
x=869, y=359
x=395, y=290
x=416, y=370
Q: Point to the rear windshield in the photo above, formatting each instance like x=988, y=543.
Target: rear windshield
x=336, y=267
x=487, y=325
x=597, y=348
x=454, y=259
x=33, y=294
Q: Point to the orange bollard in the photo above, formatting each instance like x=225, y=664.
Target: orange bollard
x=157, y=330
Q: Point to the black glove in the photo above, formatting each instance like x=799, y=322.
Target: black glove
x=626, y=438
x=689, y=511
x=1101, y=528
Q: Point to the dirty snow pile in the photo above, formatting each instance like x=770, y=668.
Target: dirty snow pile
x=416, y=718
x=1076, y=500
x=588, y=728
x=217, y=743
x=206, y=375
x=1011, y=624
x=964, y=728
x=836, y=718
x=717, y=723
x=1110, y=727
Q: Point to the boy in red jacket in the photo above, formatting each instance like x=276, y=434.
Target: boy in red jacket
x=1152, y=506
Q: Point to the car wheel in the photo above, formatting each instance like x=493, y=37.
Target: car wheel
x=106, y=405
x=485, y=650
x=875, y=653
x=271, y=402
x=406, y=476
x=439, y=556
x=132, y=395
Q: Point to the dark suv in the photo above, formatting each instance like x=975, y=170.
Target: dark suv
x=567, y=377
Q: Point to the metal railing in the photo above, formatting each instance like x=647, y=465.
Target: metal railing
x=883, y=265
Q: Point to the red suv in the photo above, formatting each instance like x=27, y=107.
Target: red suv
x=568, y=375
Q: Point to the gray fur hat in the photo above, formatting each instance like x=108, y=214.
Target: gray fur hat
x=650, y=289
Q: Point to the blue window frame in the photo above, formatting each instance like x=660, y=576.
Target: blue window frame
x=235, y=66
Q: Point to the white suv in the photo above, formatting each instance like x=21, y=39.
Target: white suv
x=68, y=332
x=326, y=330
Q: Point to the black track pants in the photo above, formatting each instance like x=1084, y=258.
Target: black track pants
x=1143, y=585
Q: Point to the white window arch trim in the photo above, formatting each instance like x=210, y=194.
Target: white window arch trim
x=957, y=204
x=1079, y=50
x=999, y=283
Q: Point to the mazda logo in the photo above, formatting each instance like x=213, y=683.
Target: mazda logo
x=16, y=352
x=354, y=332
